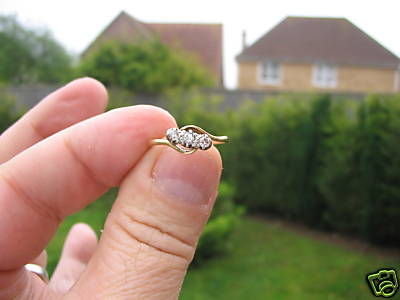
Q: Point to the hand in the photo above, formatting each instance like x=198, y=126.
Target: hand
x=58, y=158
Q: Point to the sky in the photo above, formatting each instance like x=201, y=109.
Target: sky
x=76, y=23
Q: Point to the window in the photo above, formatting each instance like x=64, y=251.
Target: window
x=270, y=73
x=324, y=75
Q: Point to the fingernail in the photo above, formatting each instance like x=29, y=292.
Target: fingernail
x=192, y=178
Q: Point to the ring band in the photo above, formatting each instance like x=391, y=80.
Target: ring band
x=188, y=139
x=39, y=271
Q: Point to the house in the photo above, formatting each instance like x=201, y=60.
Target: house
x=318, y=54
x=202, y=41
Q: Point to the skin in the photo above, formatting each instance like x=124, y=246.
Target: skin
x=61, y=156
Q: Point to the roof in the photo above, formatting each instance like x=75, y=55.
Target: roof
x=204, y=41
x=331, y=40
x=123, y=28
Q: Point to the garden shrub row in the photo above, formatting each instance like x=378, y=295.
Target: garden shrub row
x=333, y=164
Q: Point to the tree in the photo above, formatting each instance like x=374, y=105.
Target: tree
x=147, y=67
x=8, y=113
x=28, y=55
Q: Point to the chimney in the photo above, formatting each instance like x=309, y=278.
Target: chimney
x=244, y=43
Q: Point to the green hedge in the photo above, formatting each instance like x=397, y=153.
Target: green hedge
x=333, y=164
x=360, y=176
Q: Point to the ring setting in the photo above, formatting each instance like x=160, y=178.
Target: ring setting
x=190, y=138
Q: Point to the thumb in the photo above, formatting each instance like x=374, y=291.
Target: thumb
x=152, y=230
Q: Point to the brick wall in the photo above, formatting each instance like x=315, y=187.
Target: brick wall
x=298, y=77
x=366, y=79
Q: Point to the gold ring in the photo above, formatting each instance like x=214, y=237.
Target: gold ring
x=188, y=139
x=39, y=271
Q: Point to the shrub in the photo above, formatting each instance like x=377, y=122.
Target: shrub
x=215, y=237
x=31, y=55
x=362, y=169
x=8, y=114
x=146, y=67
x=279, y=150
x=332, y=165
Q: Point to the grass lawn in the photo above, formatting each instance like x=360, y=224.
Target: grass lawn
x=265, y=261
x=94, y=215
x=268, y=261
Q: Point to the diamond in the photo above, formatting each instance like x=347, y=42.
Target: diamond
x=204, y=142
x=187, y=138
x=173, y=135
x=196, y=141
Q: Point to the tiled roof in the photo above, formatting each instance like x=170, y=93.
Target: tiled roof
x=204, y=41
x=331, y=40
x=123, y=28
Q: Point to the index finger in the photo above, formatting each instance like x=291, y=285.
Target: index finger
x=77, y=101
x=64, y=173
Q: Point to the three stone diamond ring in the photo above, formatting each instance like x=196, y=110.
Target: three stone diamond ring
x=188, y=139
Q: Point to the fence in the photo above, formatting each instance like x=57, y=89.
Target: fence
x=26, y=96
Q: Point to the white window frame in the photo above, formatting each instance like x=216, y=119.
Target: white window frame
x=324, y=75
x=269, y=81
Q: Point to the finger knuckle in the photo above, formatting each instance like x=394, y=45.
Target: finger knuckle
x=149, y=235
